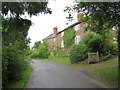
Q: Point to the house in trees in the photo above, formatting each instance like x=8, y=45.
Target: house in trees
x=53, y=39
x=56, y=38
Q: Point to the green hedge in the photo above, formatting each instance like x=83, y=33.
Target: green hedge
x=13, y=64
x=78, y=52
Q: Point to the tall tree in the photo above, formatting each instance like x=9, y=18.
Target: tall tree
x=16, y=9
x=14, y=32
x=15, y=27
x=36, y=45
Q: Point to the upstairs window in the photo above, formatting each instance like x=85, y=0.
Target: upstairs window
x=54, y=47
x=77, y=39
x=54, y=39
x=62, y=43
x=77, y=27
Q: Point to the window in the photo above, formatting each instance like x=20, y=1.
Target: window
x=62, y=34
x=54, y=39
x=77, y=39
x=114, y=40
x=54, y=47
x=77, y=27
x=62, y=43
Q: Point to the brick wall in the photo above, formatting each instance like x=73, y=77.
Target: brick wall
x=81, y=31
x=59, y=38
x=52, y=41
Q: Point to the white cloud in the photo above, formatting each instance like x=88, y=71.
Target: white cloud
x=43, y=24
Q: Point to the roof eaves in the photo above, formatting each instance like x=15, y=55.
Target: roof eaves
x=69, y=27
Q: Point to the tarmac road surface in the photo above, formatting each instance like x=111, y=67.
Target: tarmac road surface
x=48, y=74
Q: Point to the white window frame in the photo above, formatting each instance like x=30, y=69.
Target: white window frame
x=54, y=47
x=62, y=34
x=54, y=39
x=62, y=43
x=77, y=27
x=77, y=39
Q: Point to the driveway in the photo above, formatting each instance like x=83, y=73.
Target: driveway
x=48, y=74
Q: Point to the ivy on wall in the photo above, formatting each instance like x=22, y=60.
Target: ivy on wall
x=68, y=37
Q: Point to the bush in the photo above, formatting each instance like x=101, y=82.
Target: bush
x=34, y=55
x=93, y=42
x=78, y=52
x=13, y=64
x=41, y=52
x=44, y=54
x=59, y=52
x=114, y=49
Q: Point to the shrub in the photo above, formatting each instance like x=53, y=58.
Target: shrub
x=13, y=64
x=93, y=42
x=34, y=55
x=78, y=52
x=114, y=49
x=41, y=51
x=44, y=54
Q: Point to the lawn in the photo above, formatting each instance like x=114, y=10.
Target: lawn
x=110, y=75
x=39, y=58
x=111, y=62
x=64, y=60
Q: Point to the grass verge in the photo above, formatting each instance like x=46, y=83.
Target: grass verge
x=22, y=83
x=39, y=59
x=104, y=64
x=64, y=60
x=110, y=75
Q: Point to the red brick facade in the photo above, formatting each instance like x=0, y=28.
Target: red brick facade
x=57, y=40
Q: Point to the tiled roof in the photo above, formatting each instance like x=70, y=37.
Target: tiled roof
x=54, y=35
x=50, y=36
x=69, y=27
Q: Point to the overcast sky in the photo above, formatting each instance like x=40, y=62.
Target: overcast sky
x=44, y=23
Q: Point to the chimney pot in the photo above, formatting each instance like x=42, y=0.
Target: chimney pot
x=55, y=30
x=79, y=16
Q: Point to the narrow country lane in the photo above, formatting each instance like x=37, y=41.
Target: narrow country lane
x=48, y=74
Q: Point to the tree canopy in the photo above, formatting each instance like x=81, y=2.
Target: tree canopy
x=17, y=9
x=101, y=14
x=36, y=45
x=14, y=34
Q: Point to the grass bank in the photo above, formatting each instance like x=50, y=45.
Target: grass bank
x=64, y=60
x=109, y=75
x=39, y=58
x=25, y=77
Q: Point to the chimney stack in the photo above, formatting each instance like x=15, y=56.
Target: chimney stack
x=55, y=30
x=79, y=16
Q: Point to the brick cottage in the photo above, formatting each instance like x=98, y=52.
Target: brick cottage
x=57, y=37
